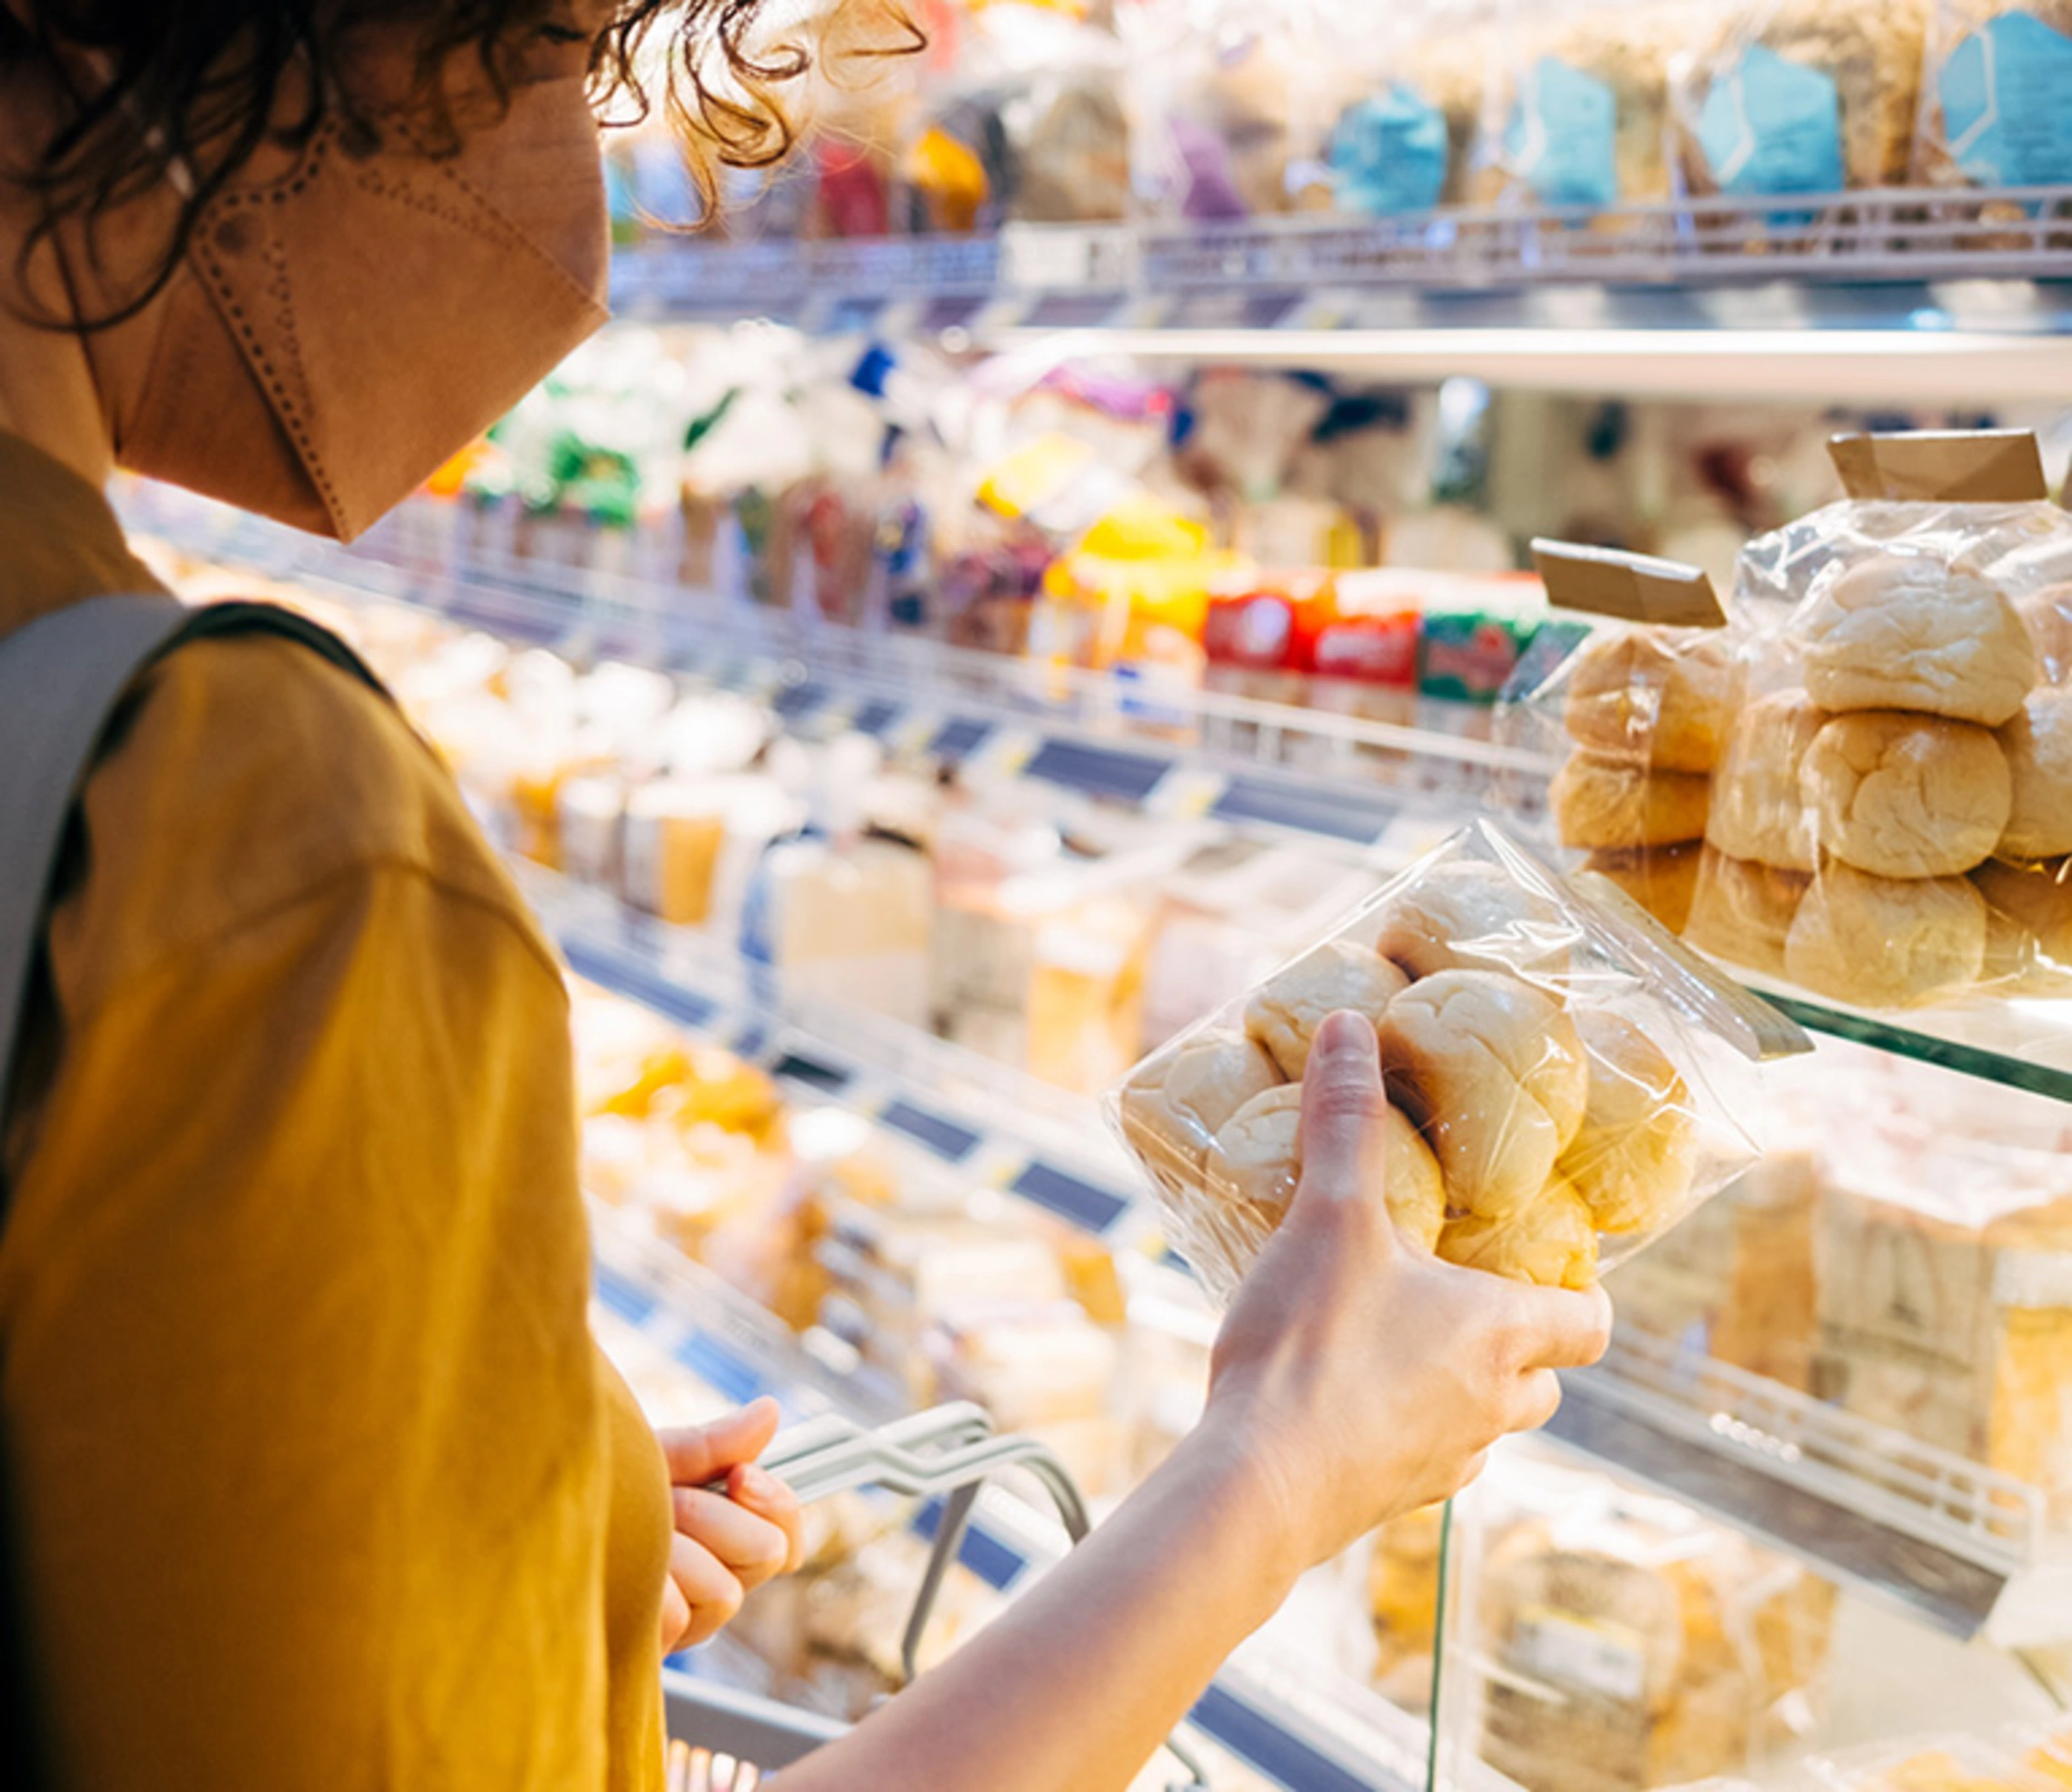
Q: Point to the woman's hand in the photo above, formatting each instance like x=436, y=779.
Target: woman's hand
x=728, y=1544
x=1362, y=1376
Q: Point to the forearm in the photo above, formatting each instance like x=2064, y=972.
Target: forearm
x=1078, y=1682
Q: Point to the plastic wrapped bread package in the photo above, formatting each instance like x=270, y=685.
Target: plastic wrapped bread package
x=1814, y=96
x=1634, y=707
x=1891, y=818
x=1991, y=80
x=1564, y=1081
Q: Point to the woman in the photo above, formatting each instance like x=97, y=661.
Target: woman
x=317, y=1478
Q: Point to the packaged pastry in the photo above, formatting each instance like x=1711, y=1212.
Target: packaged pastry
x=1563, y=1081
x=1902, y=757
x=1406, y=141
x=1801, y=96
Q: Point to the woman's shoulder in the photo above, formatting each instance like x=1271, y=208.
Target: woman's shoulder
x=251, y=773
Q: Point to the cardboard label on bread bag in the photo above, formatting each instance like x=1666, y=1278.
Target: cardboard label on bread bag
x=1633, y=587
x=1941, y=466
x=1756, y=1030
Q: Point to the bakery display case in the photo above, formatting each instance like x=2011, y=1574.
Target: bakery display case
x=997, y=602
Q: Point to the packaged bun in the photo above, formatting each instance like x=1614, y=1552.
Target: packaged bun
x=2028, y=939
x=2038, y=743
x=1902, y=795
x=1632, y=1158
x=1255, y=1162
x=1459, y=1046
x=1550, y=1242
x=1743, y=911
x=1654, y=698
x=1886, y=942
x=1172, y=1110
x=1662, y=879
x=1757, y=812
x=1906, y=631
x=1601, y=802
x=1466, y=915
x=1284, y=1015
x=1564, y=1081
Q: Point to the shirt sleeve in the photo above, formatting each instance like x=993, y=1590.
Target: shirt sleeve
x=302, y=1410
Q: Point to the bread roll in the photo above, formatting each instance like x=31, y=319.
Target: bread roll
x=1492, y=1070
x=1550, y=1242
x=1886, y=942
x=1662, y=879
x=1902, y=795
x=1255, y=1162
x=1899, y=631
x=1468, y=914
x=1742, y=911
x=1635, y=1155
x=1599, y=802
x=1651, y=697
x=1756, y=813
x=2038, y=743
x=2047, y=615
x=2029, y=923
x=1174, y=1106
x=1284, y=1012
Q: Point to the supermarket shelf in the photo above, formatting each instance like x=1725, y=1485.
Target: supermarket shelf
x=998, y=1126
x=2022, y=1042
x=1929, y=1533
x=1728, y=296
x=1354, y=784
x=1302, y=1736
x=1387, y=792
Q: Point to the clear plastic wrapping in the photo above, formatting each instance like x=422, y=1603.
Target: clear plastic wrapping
x=1564, y=1083
x=1891, y=814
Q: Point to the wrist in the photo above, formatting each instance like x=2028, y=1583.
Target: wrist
x=1224, y=1459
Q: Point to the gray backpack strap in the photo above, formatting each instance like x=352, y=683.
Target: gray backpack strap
x=61, y=680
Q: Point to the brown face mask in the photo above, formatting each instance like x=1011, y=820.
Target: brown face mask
x=337, y=332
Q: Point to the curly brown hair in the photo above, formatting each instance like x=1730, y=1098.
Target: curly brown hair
x=202, y=85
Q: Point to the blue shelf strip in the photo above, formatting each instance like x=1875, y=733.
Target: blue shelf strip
x=1087, y=1206
x=1257, y=1739
x=946, y=1138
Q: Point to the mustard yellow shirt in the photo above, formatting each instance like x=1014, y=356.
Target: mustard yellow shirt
x=319, y=1480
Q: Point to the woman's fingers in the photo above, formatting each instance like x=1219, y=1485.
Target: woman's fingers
x=711, y=1594
x=763, y=1494
x=698, y=1453
x=750, y=1548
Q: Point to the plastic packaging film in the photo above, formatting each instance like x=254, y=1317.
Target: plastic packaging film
x=1564, y=1082
x=1862, y=784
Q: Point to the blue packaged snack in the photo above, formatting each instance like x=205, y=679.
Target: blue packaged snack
x=1389, y=152
x=1768, y=125
x=1996, y=100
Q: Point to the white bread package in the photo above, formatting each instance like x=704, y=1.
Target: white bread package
x=1565, y=1082
x=1891, y=814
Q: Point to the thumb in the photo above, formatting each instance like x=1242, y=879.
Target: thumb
x=698, y=1453
x=1343, y=1110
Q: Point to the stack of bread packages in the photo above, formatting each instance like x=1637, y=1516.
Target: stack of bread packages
x=1892, y=813
x=1564, y=1081
x=1638, y=715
